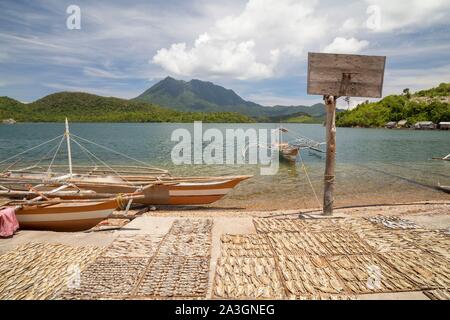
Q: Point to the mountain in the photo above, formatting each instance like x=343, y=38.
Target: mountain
x=426, y=105
x=84, y=107
x=196, y=95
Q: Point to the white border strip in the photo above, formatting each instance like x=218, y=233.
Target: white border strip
x=64, y=216
x=209, y=192
x=193, y=184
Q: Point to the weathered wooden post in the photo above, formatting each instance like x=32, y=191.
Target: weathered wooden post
x=334, y=76
x=330, y=103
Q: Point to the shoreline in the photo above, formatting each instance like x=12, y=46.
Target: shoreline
x=246, y=123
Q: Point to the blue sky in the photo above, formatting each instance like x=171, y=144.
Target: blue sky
x=256, y=47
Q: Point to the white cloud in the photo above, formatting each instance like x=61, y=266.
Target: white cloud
x=32, y=41
x=272, y=99
x=100, y=73
x=343, y=45
x=249, y=45
x=106, y=91
x=219, y=58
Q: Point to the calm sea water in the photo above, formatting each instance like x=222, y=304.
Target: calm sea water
x=373, y=165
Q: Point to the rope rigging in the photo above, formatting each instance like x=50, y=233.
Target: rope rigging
x=54, y=156
x=101, y=161
x=90, y=155
x=33, y=148
x=116, y=152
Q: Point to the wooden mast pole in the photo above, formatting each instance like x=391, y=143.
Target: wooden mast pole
x=69, y=151
x=328, y=196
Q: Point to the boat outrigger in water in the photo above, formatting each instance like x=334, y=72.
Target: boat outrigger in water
x=91, y=191
x=443, y=188
x=290, y=150
x=446, y=158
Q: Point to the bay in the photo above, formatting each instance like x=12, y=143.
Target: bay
x=373, y=165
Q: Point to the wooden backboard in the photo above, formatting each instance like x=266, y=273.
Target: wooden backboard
x=345, y=75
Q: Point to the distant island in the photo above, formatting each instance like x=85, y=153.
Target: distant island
x=425, y=105
x=172, y=100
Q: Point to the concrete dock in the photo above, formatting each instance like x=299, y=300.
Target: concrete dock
x=170, y=257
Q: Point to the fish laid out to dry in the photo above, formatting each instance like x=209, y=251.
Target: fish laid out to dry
x=426, y=270
x=188, y=245
x=384, y=240
x=435, y=242
x=42, y=270
x=439, y=294
x=175, y=277
x=247, y=278
x=296, y=243
x=249, y=245
x=188, y=238
x=359, y=226
x=263, y=225
x=180, y=268
x=342, y=242
x=148, y=266
x=283, y=225
x=188, y=226
x=368, y=274
x=309, y=276
x=324, y=225
x=393, y=222
x=133, y=246
x=108, y=278
x=253, y=238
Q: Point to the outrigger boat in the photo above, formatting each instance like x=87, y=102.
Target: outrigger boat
x=156, y=191
x=290, y=150
x=100, y=181
x=42, y=213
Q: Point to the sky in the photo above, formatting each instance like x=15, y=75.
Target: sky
x=258, y=48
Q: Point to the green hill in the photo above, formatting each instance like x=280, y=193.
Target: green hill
x=196, y=95
x=298, y=117
x=84, y=107
x=426, y=105
x=443, y=90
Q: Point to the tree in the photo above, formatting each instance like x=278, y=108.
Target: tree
x=347, y=99
x=407, y=93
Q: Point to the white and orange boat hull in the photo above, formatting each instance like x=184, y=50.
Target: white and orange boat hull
x=64, y=216
x=189, y=193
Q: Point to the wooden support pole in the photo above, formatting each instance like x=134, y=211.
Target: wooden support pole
x=328, y=196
